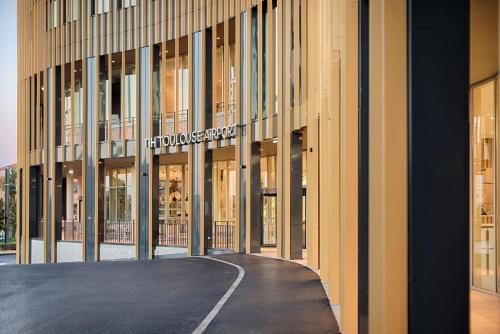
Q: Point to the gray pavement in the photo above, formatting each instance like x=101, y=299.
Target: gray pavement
x=163, y=296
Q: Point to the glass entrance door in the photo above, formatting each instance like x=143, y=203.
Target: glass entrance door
x=173, y=208
x=221, y=234
x=269, y=220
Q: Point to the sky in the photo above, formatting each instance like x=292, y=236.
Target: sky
x=8, y=82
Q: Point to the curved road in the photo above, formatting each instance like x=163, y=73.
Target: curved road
x=173, y=296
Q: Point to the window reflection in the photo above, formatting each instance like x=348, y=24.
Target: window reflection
x=483, y=185
x=67, y=105
x=130, y=95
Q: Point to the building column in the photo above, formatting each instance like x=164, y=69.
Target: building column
x=143, y=157
x=388, y=215
x=34, y=199
x=196, y=155
x=438, y=162
x=254, y=226
x=207, y=195
x=154, y=202
x=295, y=186
x=58, y=201
x=92, y=167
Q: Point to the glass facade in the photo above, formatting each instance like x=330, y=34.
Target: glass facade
x=484, y=169
x=124, y=94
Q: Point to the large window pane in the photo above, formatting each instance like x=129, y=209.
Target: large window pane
x=168, y=87
x=67, y=105
x=483, y=185
x=78, y=104
x=253, y=67
x=116, y=63
x=183, y=96
x=130, y=95
x=103, y=99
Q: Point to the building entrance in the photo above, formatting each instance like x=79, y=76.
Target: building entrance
x=221, y=233
x=269, y=220
x=173, y=210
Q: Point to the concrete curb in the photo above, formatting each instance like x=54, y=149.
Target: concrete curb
x=8, y=252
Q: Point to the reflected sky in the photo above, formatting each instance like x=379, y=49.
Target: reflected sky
x=8, y=82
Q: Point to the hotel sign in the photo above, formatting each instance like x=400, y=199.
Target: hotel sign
x=195, y=137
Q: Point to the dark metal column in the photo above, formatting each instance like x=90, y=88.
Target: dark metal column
x=438, y=181
x=155, y=193
x=255, y=201
x=34, y=201
x=197, y=150
x=143, y=185
x=58, y=204
x=208, y=117
x=296, y=196
x=91, y=161
x=49, y=163
x=208, y=196
x=363, y=168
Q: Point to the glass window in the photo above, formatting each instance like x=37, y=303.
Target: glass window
x=219, y=78
x=130, y=95
x=232, y=72
x=304, y=166
x=183, y=96
x=78, y=104
x=275, y=57
x=67, y=105
x=168, y=82
x=268, y=171
x=104, y=98
x=265, y=74
x=74, y=6
x=483, y=185
x=156, y=84
x=54, y=16
x=116, y=68
x=254, y=67
x=243, y=72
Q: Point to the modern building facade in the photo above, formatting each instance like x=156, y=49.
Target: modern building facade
x=155, y=128
x=336, y=132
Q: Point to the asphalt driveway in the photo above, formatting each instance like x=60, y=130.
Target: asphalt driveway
x=164, y=296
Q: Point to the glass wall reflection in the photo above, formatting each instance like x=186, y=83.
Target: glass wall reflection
x=483, y=185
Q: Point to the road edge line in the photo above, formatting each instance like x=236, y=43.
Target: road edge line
x=215, y=310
